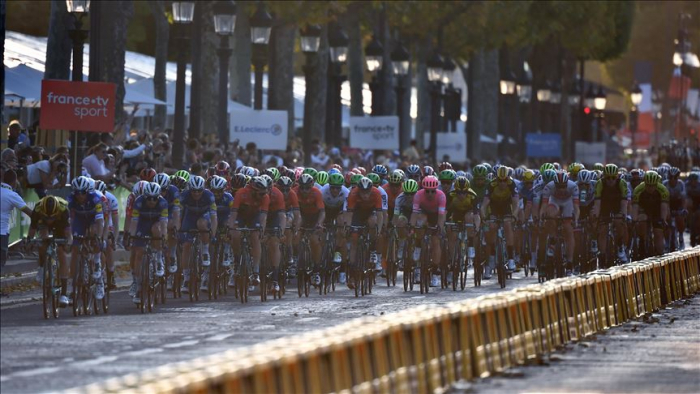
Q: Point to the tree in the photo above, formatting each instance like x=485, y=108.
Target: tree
x=161, y=54
x=58, y=47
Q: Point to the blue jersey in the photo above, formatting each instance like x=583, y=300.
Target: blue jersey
x=143, y=212
x=197, y=208
x=88, y=211
x=527, y=194
x=223, y=208
x=172, y=196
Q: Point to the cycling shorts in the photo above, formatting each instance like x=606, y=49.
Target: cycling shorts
x=566, y=207
x=143, y=229
x=190, y=223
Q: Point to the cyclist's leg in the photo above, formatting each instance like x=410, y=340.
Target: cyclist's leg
x=43, y=234
x=204, y=224
x=658, y=227
x=96, y=251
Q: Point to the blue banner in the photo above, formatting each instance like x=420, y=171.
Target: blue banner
x=543, y=145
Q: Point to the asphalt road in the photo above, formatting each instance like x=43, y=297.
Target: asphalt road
x=46, y=355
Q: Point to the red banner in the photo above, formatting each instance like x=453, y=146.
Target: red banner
x=79, y=106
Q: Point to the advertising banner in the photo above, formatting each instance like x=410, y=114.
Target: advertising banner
x=453, y=145
x=79, y=106
x=268, y=129
x=590, y=152
x=374, y=132
x=543, y=144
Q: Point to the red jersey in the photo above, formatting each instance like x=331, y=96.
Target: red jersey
x=373, y=203
x=291, y=202
x=130, y=204
x=247, y=202
x=392, y=193
x=276, y=200
x=311, y=203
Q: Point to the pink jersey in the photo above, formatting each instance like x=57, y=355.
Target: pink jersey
x=421, y=204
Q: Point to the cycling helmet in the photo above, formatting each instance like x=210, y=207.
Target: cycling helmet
x=445, y=165
x=364, y=183
x=585, y=176
x=598, y=166
x=91, y=184
x=268, y=180
x=430, y=182
x=561, y=178
x=400, y=171
x=502, y=173
x=598, y=174
x=518, y=173
x=410, y=186
x=306, y=180
x=238, y=181
x=297, y=172
x=178, y=182
x=48, y=206
x=336, y=180
x=322, y=178
x=147, y=174
x=196, y=183
x=102, y=187
x=651, y=178
x=470, y=176
x=495, y=168
x=162, y=179
x=139, y=188
x=511, y=171
x=184, y=175
x=610, y=171
x=548, y=175
x=674, y=172
x=222, y=168
x=362, y=170
x=355, y=178
x=480, y=171
x=637, y=173
x=80, y=184
x=376, y=180
x=693, y=176
x=575, y=168
x=396, y=177
x=488, y=167
x=285, y=182
x=447, y=175
x=557, y=166
x=460, y=173
x=546, y=166
x=333, y=171
x=289, y=174
x=259, y=183
x=462, y=184
x=273, y=173
x=151, y=189
x=413, y=170
x=428, y=170
x=337, y=167
x=211, y=171
x=218, y=183
x=310, y=171
x=529, y=176
x=380, y=170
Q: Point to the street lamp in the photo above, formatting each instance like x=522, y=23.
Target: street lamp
x=260, y=27
x=374, y=57
x=599, y=103
x=524, y=87
x=435, y=73
x=574, y=93
x=555, y=93
x=544, y=95
x=589, y=101
x=78, y=9
x=338, y=48
x=400, y=62
x=183, y=13
x=224, y=25
x=310, y=42
x=636, y=97
x=508, y=85
x=524, y=91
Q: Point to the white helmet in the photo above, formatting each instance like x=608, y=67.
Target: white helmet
x=100, y=186
x=217, y=183
x=139, y=188
x=196, y=183
x=151, y=189
x=162, y=179
x=81, y=184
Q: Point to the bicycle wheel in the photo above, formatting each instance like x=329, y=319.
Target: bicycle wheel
x=242, y=277
x=105, y=299
x=463, y=265
x=144, y=281
x=500, y=262
x=76, y=295
x=478, y=268
x=390, y=260
x=55, y=290
x=301, y=269
x=454, y=266
x=407, y=268
x=425, y=267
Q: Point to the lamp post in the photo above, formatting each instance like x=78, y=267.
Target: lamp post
x=374, y=56
x=589, y=103
x=524, y=91
x=224, y=25
x=599, y=102
x=451, y=105
x=78, y=9
x=260, y=27
x=338, y=47
x=574, y=101
x=435, y=72
x=400, y=62
x=310, y=42
x=507, y=87
x=636, y=97
x=544, y=94
x=183, y=13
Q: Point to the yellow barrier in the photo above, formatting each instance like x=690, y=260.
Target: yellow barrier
x=429, y=349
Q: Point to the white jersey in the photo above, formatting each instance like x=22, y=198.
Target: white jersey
x=112, y=206
x=385, y=199
x=551, y=192
x=334, y=202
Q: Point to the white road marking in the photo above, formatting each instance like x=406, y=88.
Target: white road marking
x=308, y=319
x=219, y=337
x=142, y=352
x=94, y=361
x=30, y=373
x=181, y=344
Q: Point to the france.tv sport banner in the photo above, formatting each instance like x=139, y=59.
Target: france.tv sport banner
x=79, y=106
x=374, y=132
x=268, y=129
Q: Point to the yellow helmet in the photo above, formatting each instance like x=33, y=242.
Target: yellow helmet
x=529, y=176
x=50, y=206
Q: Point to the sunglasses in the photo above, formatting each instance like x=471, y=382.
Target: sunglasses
x=336, y=187
x=83, y=192
x=197, y=190
x=430, y=192
x=152, y=198
x=462, y=193
x=305, y=188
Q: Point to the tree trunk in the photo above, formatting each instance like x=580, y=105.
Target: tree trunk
x=317, y=88
x=239, y=70
x=280, y=85
x=58, y=47
x=209, y=89
x=423, y=119
x=159, y=82
x=483, y=103
x=195, y=124
x=115, y=23
x=356, y=60
x=387, y=73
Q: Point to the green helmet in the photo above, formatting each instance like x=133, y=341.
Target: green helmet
x=447, y=175
x=651, y=178
x=546, y=166
x=310, y=171
x=322, y=178
x=410, y=186
x=274, y=173
x=355, y=178
x=396, y=177
x=488, y=167
x=376, y=180
x=184, y=175
x=598, y=166
x=336, y=180
x=610, y=171
x=480, y=171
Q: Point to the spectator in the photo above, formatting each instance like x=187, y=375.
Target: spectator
x=47, y=174
x=318, y=157
x=15, y=135
x=9, y=200
x=94, y=163
x=411, y=153
x=8, y=159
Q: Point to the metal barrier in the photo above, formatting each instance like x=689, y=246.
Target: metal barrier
x=425, y=349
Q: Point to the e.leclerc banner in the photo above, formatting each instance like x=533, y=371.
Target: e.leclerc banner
x=543, y=144
x=79, y=106
x=268, y=129
x=374, y=132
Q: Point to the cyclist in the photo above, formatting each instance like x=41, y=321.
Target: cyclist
x=335, y=197
x=136, y=192
x=276, y=224
x=650, y=205
x=560, y=199
x=313, y=215
x=500, y=202
x=677, y=196
x=376, y=256
x=198, y=213
x=586, y=187
x=86, y=218
x=462, y=209
x=293, y=222
x=429, y=209
x=447, y=178
x=112, y=219
x=414, y=172
x=250, y=206
x=393, y=189
x=51, y=215
x=150, y=218
x=574, y=170
x=224, y=204
x=611, y=199
x=527, y=214
x=480, y=182
x=364, y=204
x=403, y=210
x=171, y=194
